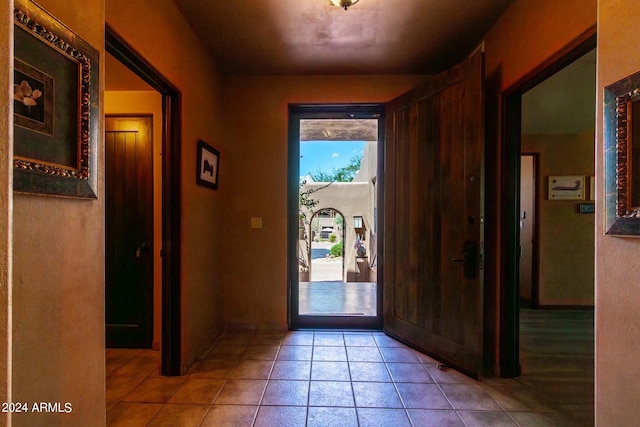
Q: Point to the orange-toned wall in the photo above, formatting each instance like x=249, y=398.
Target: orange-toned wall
x=254, y=177
x=58, y=283
x=617, y=266
x=147, y=103
x=527, y=34
x=6, y=201
x=158, y=33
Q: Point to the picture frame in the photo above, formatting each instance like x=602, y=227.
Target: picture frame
x=566, y=187
x=592, y=188
x=56, y=107
x=207, y=165
x=622, y=157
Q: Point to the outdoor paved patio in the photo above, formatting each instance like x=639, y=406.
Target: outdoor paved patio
x=338, y=298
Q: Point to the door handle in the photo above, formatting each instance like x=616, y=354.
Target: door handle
x=139, y=249
x=469, y=259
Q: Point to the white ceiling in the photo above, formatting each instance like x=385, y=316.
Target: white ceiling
x=311, y=37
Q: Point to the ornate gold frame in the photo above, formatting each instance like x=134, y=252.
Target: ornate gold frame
x=623, y=219
x=36, y=174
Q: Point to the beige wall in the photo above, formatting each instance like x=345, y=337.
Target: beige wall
x=254, y=175
x=147, y=103
x=6, y=201
x=617, y=266
x=58, y=276
x=566, y=237
x=159, y=34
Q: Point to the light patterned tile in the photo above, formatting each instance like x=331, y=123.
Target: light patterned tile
x=291, y=370
x=329, y=354
x=364, y=354
x=241, y=392
x=173, y=415
x=230, y=415
x=213, y=369
x=486, y=418
x=332, y=417
x=369, y=371
x=409, y=373
x=295, y=352
x=331, y=393
x=197, y=391
x=330, y=371
x=286, y=393
x=285, y=416
x=328, y=339
x=422, y=396
x=465, y=396
x=252, y=369
x=436, y=418
x=378, y=417
x=376, y=395
x=156, y=390
x=132, y=414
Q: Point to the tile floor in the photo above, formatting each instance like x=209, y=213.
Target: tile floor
x=315, y=379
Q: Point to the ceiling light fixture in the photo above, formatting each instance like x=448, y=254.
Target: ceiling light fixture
x=345, y=4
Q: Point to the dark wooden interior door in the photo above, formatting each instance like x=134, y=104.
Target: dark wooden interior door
x=129, y=232
x=433, y=264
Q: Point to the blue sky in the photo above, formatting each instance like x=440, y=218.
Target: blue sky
x=327, y=155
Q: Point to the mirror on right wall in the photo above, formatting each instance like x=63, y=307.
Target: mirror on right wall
x=622, y=156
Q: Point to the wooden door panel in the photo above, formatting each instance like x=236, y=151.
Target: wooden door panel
x=433, y=179
x=129, y=232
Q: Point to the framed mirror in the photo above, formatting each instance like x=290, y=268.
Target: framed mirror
x=622, y=156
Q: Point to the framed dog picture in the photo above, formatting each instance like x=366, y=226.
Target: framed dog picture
x=207, y=165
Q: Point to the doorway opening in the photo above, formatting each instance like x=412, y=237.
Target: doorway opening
x=326, y=246
x=166, y=250
x=549, y=266
x=333, y=233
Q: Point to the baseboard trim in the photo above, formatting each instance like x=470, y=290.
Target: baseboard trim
x=265, y=327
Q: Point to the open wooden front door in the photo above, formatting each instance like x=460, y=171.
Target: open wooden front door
x=433, y=250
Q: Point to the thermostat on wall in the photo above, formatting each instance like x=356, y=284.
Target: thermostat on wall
x=587, y=208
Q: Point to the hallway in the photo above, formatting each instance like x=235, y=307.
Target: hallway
x=315, y=379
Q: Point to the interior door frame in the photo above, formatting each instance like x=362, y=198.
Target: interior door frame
x=171, y=196
x=511, y=148
x=535, y=250
x=329, y=111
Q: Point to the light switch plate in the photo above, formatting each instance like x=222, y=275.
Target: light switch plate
x=256, y=222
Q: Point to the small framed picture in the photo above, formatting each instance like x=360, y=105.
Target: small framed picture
x=566, y=187
x=207, y=165
x=592, y=188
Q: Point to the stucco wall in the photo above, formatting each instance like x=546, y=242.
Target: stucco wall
x=147, y=103
x=58, y=277
x=350, y=199
x=6, y=201
x=617, y=266
x=168, y=43
x=566, y=236
x=255, y=274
